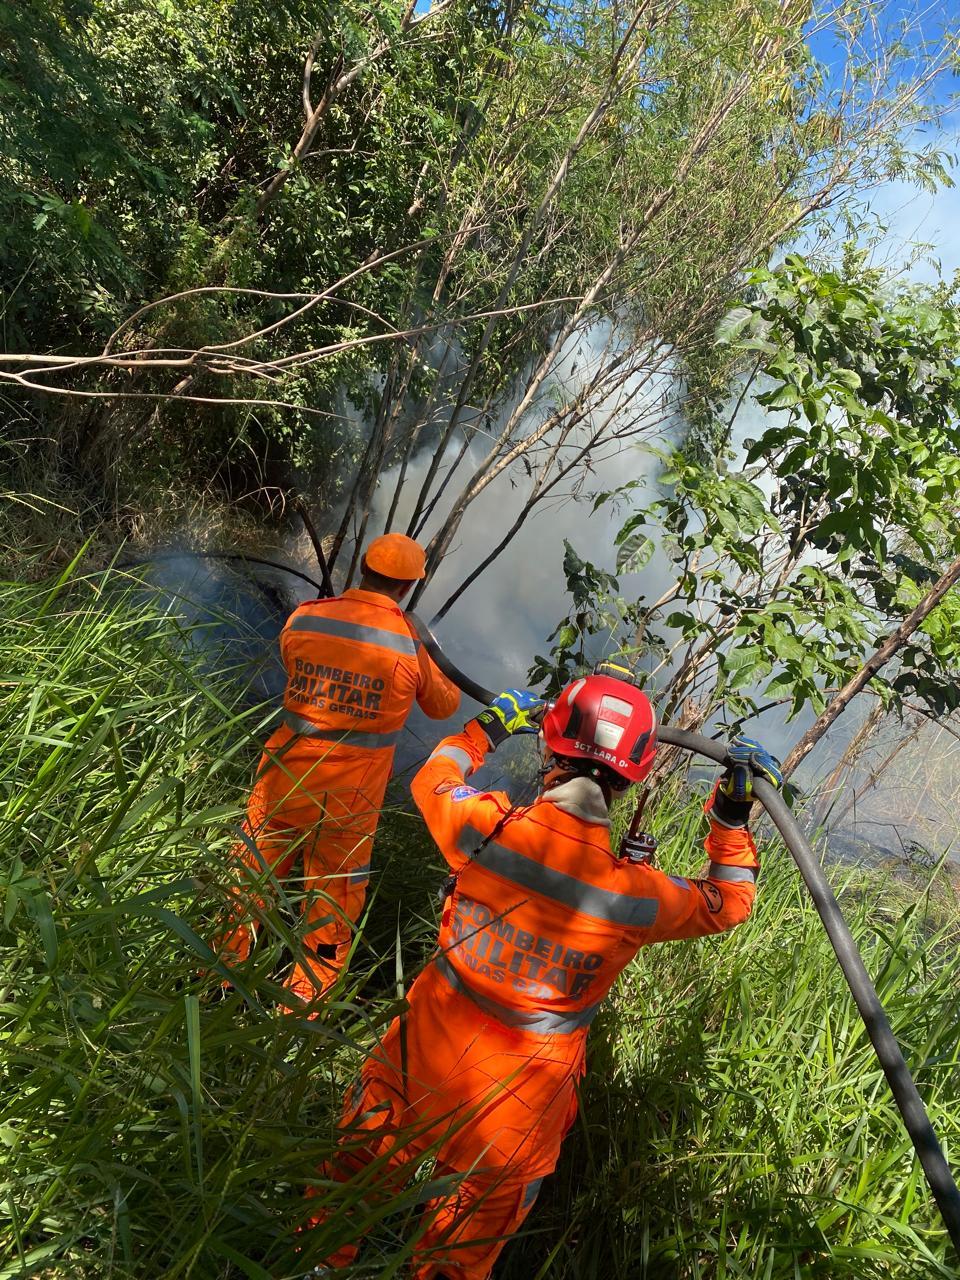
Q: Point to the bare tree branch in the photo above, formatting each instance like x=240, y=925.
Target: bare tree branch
x=339, y=80
x=877, y=660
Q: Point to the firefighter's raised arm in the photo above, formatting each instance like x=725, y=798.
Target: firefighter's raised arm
x=722, y=895
x=440, y=790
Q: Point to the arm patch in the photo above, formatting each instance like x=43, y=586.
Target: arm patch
x=463, y=793
x=711, y=895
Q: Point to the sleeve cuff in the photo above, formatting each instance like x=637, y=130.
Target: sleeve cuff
x=478, y=739
x=731, y=846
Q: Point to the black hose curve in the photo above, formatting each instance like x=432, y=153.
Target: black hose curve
x=463, y=682
x=902, y=1086
x=216, y=555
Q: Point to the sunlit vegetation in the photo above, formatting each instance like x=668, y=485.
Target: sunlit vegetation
x=243, y=243
x=386, y=259
x=734, y=1122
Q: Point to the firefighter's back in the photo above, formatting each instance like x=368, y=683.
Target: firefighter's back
x=543, y=919
x=352, y=669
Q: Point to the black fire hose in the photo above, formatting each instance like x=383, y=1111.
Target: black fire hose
x=902, y=1086
x=905, y=1093
x=218, y=555
x=463, y=682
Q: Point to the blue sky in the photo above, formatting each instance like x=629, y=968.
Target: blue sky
x=918, y=216
x=911, y=214
x=924, y=23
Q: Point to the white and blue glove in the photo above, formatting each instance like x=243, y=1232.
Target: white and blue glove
x=513, y=711
x=733, y=797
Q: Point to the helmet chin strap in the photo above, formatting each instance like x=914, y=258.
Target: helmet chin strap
x=547, y=765
x=544, y=756
x=567, y=769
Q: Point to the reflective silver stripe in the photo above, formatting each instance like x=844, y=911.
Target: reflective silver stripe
x=342, y=738
x=341, y=629
x=541, y=1021
x=680, y=882
x=457, y=755
x=531, y=1191
x=359, y=875
x=721, y=871
x=580, y=895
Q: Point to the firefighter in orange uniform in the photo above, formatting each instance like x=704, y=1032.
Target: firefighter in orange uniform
x=354, y=670
x=540, y=917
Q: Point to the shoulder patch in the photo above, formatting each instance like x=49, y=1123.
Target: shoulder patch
x=711, y=895
x=463, y=793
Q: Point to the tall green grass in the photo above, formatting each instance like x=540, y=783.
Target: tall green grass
x=734, y=1122
x=150, y=1125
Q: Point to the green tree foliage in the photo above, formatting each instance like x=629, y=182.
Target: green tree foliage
x=596, y=608
x=497, y=183
x=134, y=142
x=789, y=571
x=110, y=129
x=872, y=438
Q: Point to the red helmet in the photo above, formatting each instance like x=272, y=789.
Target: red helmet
x=606, y=721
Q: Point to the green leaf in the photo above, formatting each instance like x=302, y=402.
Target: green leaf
x=784, y=397
x=734, y=323
x=781, y=686
x=39, y=904
x=572, y=564
x=634, y=553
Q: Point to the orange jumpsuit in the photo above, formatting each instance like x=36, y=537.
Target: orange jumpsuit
x=353, y=673
x=481, y=1069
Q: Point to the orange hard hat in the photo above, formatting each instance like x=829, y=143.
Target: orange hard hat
x=394, y=555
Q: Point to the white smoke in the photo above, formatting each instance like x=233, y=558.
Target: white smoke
x=503, y=620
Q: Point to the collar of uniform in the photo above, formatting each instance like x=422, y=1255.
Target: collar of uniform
x=582, y=798
x=371, y=597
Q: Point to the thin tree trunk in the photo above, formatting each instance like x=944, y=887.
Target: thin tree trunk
x=891, y=646
x=539, y=491
x=589, y=125
x=494, y=462
x=303, y=511
x=339, y=80
x=363, y=492
x=357, y=552
x=828, y=797
x=365, y=464
x=371, y=467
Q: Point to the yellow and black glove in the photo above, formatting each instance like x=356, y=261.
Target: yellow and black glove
x=733, y=796
x=513, y=711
